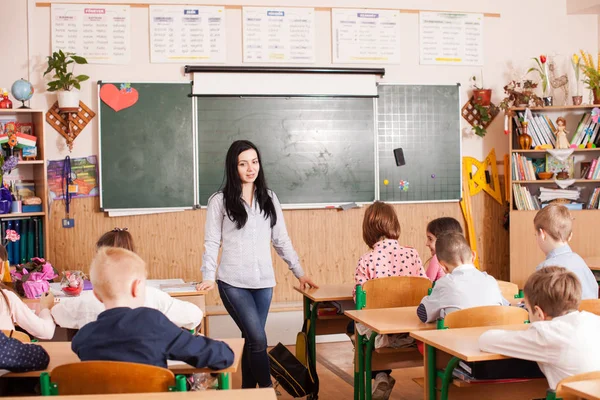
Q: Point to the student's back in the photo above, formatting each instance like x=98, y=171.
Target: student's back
x=144, y=335
x=562, y=340
x=129, y=332
x=464, y=287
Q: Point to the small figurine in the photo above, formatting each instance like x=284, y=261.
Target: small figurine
x=561, y=134
x=5, y=102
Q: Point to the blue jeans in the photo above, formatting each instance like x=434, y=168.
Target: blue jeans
x=249, y=309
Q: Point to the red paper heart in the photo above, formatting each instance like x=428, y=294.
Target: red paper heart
x=117, y=99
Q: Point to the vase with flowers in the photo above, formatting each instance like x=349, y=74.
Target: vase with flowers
x=576, y=63
x=591, y=74
x=72, y=283
x=32, y=279
x=542, y=70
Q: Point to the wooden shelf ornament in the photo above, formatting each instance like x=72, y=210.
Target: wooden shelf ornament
x=69, y=122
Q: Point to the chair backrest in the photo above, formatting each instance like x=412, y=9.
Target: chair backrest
x=575, y=378
x=486, y=316
x=20, y=336
x=508, y=289
x=395, y=291
x=106, y=377
x=590, y=305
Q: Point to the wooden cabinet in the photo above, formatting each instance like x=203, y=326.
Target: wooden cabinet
x=524, y=252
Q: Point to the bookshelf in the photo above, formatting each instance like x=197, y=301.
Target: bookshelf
x=524, y=252
x=31, y=170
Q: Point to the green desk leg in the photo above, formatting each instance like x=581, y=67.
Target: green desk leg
x=224, y=381
x=447, y=377
x=551, y=395
x=360, y=348
x=367, y=369
x=312, y=334
x=431, y=372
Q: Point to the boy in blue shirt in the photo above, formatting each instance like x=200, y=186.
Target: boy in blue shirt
x=553, y=231
x=129, y=332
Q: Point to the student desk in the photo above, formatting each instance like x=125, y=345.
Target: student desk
x=328, y=324
x=384, y=321
x=589, y=390
x=445, y=348
x=60, y=354
x=195, y=297
x=246, y=394
x=594, y=264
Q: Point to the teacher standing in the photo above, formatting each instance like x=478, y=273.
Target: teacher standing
x=246, y=217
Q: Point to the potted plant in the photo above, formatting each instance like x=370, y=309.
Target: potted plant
x=592, y=76
x=520, y=94
x=542, y=70
x=65, y=82
x=481, y=96
x=484, y=118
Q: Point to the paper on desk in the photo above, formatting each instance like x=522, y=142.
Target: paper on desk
x=155, y=283
x=178, y=287
x=171, y=363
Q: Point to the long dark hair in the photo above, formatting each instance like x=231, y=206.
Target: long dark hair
x=232, y=190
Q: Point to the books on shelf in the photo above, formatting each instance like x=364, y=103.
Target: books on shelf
x=593, y=202
x=540, y=128
x=586, y=131
x=524, y=200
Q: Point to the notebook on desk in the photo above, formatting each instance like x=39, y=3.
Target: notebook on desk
x=178, y=287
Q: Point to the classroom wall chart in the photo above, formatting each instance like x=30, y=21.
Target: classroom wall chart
x=99, y=33
x=279, y=35
x=187, y=34
x=365, y=36
x=451, y=38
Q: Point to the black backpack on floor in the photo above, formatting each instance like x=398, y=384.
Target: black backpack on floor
x=295, y=373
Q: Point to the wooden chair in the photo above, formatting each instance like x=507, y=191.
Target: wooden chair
x=590, y=305
x=509, y=290
x=392, y=291
x=485, y=316
x=20, y=336
x=395, y=291
x=560, y=394
x=108, y=377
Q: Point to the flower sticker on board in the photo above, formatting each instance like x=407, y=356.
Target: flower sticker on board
x=12, y=235
x=403, y=186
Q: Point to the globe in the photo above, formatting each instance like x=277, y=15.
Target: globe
x=22, y=90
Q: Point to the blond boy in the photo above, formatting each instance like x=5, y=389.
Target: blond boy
x=129, y=332
x=553, y=230
x=562, y=340
x=464, y=286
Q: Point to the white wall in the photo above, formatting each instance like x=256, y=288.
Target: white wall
x=525, y=29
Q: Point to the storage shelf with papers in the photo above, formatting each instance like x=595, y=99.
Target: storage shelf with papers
x=30, y=174
x=525, y=186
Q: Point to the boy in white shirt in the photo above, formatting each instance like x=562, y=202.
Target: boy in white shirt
x=562, y=340
x=75, y=313
x=553, y=231
x=464, y=286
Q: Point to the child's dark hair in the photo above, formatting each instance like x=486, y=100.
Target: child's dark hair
x=118, y=237
x=443, y=225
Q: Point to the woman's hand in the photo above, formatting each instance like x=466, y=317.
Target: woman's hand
x=306, y=283
x=205, y=285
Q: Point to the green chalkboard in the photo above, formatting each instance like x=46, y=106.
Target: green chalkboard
x=424, y=121
x=314, y=150
x=146, y=150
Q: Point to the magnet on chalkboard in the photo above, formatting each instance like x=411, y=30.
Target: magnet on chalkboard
x=399, y=156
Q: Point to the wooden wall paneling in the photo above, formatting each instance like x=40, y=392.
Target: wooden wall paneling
x=328, y=242
x=525, y=254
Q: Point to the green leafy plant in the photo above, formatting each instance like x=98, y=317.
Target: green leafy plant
x=484, y=117
x=63, y=78
x=591, y=73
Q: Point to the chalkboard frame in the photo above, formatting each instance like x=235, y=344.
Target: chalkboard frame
x=378, y=179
